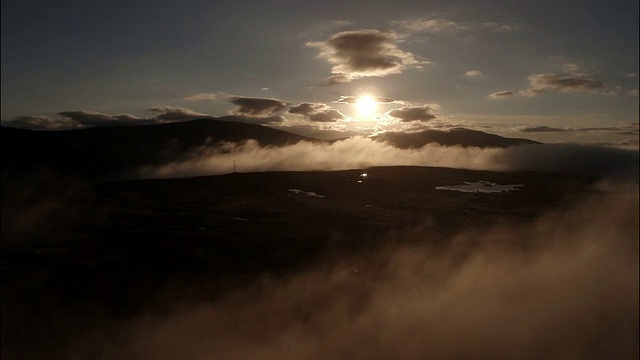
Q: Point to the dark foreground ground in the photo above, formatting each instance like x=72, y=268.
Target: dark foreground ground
x=80, y=259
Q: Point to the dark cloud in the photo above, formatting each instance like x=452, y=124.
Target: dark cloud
x=337, y=79
x=170, y=113
x=257, y=107
x=42, y=123
x=413, y=113
x=376, y=99
x=363, y=53
x=73, y=120
x=89, y=118
x=541, y=83
x=307, y=108
x=540, y=128
x=327, y=116
x=317, y=112
x=501, y=94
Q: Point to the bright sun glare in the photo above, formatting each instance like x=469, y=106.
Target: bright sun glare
x=366, y=105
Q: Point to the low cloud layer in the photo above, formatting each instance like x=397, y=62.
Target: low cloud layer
x=361, y=152
x=363, y=53
x=563, y=286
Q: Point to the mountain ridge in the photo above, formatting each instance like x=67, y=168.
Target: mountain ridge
x=115, y=150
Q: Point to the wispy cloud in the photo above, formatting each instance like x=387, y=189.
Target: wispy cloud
x=573, y=80
x=436, y=26
x=364, y=53
x=377, y=99
x=205, y=96
x=430, y=26
x=541, y=83
x=501, y=94
x=473, y=74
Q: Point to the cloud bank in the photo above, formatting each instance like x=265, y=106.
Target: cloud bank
x=358, y=152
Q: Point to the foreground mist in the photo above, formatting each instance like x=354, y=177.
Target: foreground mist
x=564, y=287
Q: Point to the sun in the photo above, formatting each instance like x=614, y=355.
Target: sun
x=366, y=105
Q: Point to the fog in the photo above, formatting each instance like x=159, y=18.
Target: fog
x=358, y=152
x=564, y=287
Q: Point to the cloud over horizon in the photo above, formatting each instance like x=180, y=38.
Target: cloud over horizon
x=73, y=119
x=363, y=53
x=172, y=113
x=360, y=152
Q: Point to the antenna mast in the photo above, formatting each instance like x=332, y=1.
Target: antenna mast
x=234, y=166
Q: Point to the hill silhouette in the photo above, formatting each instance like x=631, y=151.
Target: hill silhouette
x=114, y=152
x=111, y=151
x=457, y=136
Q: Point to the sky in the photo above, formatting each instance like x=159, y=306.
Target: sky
x=546, y=70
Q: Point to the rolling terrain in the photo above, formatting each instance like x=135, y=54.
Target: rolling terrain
x=116, y=152
x=99, y=264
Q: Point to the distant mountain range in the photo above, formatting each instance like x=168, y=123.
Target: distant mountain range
x=451, y=137
x=113, y=151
